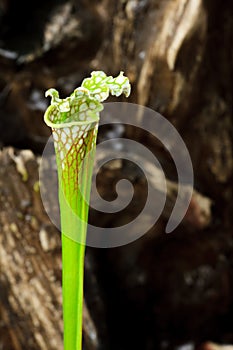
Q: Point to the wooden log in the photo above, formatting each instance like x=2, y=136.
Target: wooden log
x=30, y=260
x=165, y=47
x=30, y=254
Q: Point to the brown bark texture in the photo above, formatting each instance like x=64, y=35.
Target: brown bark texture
x=161, y=291
x=30, y=256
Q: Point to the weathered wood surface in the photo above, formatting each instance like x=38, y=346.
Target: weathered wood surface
x=178, y=57
x=168, y=50
x=30, y=256
x=30, y=260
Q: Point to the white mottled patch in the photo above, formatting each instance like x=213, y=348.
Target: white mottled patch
x=97, y=91
x=80, y=142
x=63, y=137
x=74, y=132
x=92, y=105
x=83, y=107
x=103, y=95
x=75, y=129
x=74, y=135
x=67, y=146
x=55, y=136
x=80, y=134
x=82, y=116
x=97, y=97
x=97, y=80
x=120, y=80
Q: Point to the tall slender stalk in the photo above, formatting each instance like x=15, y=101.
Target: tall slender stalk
x=74, y=123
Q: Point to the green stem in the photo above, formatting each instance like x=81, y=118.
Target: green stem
x=74, y=202
x=74, y=123
x=72, y=281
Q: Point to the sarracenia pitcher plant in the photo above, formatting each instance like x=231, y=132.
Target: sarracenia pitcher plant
x=74, y=123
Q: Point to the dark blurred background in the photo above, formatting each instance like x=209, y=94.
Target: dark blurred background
x=162, y=291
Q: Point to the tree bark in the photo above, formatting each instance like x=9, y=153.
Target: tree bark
x=30, y=253
x=178, y=57
x=30, y=259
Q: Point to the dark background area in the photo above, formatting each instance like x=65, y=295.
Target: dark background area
x=162, y=291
